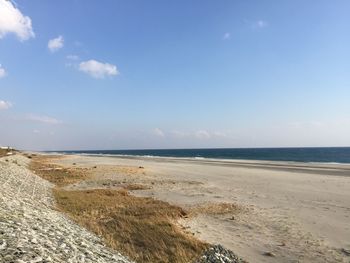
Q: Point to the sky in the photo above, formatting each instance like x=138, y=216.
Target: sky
x=111, y=74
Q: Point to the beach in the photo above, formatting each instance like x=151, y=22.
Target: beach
x=56, y=207
x=287, y=212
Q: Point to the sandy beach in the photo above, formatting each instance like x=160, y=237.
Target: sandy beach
x=288, y=212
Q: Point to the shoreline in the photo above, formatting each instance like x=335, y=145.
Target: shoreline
x=327, y=168
x=323, y=155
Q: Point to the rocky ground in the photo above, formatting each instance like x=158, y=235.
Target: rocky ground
x=32, y=231
x=218, y=254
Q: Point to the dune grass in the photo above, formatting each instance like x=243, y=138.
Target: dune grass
x=42, y=166
x=144, y=229
x=219, y=208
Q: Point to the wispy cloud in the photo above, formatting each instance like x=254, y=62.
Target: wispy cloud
x=2, y=72
x=42, y=119
x=55, y=44
x=158, y=132
x=4, y=105
x=202, y=134
x=98, y=69
x=13, y=21
x=227, y=36
x=260, y=24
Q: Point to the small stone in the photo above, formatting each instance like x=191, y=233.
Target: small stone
x=3, y=244
x=36, y=259
x=34, y=241
x=8, y=258
x=269, y=254
x=283, y=244
x=346, y=251
x=63, y=245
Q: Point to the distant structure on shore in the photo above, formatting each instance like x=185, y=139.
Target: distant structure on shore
x=6, y=148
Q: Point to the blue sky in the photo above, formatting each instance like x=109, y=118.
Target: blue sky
x=174, y=74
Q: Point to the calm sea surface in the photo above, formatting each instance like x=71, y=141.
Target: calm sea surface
x=325, y=155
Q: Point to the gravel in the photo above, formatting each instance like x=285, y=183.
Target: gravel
x=32, y=231
x=219, y=254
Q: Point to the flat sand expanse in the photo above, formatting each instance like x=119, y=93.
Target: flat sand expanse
x=295, y=212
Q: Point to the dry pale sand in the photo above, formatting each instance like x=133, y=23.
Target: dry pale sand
x=298, y=213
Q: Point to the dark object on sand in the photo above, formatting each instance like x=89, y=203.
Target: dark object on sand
x=219, y=254
x=141, y=167
x=346, y=251
x=269, y=254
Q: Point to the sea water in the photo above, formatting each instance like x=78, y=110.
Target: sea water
x=309, y=154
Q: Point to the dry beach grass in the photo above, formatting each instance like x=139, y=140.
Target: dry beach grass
x=42, y=166
x=5, y=152
x=142, y=228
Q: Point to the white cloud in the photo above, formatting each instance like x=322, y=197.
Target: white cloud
x=56, y=43
x=98, y=69
x=2, y=72
x=42, y=119
x=158, y=132
x=13, y=21
x=226, y=36
x=72, y=57
x=260, y=24
x=4, y=105
x=202, y=134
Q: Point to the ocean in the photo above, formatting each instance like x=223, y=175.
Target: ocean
x=309, y=154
